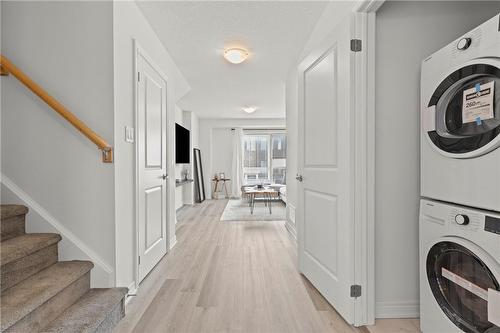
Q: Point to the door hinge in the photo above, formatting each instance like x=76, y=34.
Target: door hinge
x=139, y=260
x=355, y=290
x=355, y=45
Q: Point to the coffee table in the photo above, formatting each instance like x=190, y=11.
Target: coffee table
x=266, y=193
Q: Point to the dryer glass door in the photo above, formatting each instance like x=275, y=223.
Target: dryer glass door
x=459, y=280
x=467, y=110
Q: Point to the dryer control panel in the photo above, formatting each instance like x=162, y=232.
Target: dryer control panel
x=492, y=224
x=465, y=219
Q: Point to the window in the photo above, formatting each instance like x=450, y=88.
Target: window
x=278, y=158
x=264, y=158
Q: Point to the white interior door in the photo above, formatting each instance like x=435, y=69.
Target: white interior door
x=152, y=165
x=326, y=164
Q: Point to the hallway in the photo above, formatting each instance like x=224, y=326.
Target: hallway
x=229, y=277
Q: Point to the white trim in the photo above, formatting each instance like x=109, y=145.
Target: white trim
x=172, y=242
x=369, y=6
x=290, y=222
x=132, y=292
x=365, y=166
x=61, y=229
x=405, y=309
x=136, y=168
x=291, y=230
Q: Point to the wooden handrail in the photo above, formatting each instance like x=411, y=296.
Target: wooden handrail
x=7, y=67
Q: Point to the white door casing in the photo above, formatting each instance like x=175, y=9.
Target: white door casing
x=151, y=141
x=325, y=212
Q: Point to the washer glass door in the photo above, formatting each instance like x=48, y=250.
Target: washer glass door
x=467, y=110
x=459, y=280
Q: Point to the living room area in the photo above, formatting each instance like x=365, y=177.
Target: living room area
x=242, y=161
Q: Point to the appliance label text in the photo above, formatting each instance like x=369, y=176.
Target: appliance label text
x=477, y=103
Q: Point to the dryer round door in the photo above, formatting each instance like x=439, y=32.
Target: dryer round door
x=466, y=110
x=459, y=274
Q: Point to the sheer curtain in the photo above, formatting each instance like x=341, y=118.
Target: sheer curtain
x=237, y=165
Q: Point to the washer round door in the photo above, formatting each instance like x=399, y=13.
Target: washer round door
x=466, y=106
x=460, y=274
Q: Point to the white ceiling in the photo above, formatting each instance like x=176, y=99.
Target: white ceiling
x=195, y=34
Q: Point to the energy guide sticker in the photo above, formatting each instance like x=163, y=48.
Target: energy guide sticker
x=478, y=103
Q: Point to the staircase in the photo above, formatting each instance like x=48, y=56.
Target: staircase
x=40, y=293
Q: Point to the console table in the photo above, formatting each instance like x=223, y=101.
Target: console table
x=223, y=185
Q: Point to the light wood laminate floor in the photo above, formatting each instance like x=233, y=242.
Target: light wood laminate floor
x=229, y=277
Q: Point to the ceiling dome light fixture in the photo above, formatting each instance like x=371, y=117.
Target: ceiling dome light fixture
x=235, y=55
x=249, y=109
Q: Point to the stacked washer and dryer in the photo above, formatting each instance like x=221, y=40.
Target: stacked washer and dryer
x=460, y=185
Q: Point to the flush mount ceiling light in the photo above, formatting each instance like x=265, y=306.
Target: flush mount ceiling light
x=249, y=109
x=235, y=55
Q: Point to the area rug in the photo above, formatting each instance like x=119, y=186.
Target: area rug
x=239, y=210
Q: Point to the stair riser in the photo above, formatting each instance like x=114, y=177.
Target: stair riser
x=12, y=227
x=49, y=311
x=16, y=271
x=112, y=319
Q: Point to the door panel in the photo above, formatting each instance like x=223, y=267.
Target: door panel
x=326, y=162
x=151, y=154
x=154, y=215
x=320, y=92
x=320, y=236
x=153, y=123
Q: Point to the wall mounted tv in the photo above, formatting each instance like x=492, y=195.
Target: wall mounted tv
x=182, y=150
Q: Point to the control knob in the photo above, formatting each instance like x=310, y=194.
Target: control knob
x=464, y=43
x=462, y=219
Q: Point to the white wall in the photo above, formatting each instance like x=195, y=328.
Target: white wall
x=222, y=153
x=407, y=32
x=215, y=141
x=67, y=47
x=129, y=24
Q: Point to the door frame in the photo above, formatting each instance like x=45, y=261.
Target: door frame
x=140, y=51
x=365, y=30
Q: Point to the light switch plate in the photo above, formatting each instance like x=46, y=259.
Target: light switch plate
x=129, y=134
x=494, y=306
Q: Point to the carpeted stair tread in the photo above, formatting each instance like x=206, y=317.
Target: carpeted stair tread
x=7, y=211
x=89, y=312
x=24, y=245
x=26, y=296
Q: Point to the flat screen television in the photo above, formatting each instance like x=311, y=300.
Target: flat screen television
x=182, y=151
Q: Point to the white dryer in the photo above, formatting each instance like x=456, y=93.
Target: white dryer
x=459, y=269
x=460, y=112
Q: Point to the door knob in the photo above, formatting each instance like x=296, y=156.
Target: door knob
x=165, y=176
x=299, y=178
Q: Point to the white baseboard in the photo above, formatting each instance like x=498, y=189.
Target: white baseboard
x=132, y=292
x=290, y=209
x=290, y=220
x=408, y=309
x=173, y=242
x=71, y=247
x=291, y=229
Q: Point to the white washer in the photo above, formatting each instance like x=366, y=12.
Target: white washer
x=459, y=268
x=460, y=159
